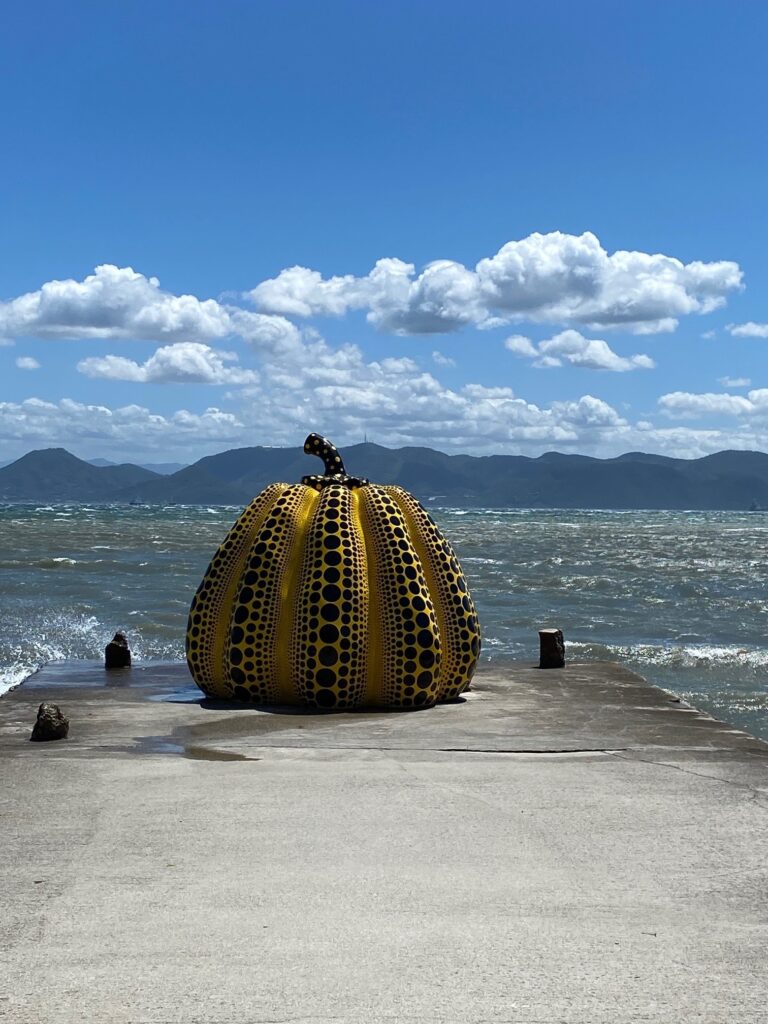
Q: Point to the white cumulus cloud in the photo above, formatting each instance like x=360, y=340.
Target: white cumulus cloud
x=685, y=404
x=27, y=363
x=117, y=303
x=748, y=330
x=130, y=428
x=394, y=401
x=306, y=383
x=521, y=346
x=394, y=405
x=186, y=362
x=734, y=382
x=555, y=278
x=573, y=348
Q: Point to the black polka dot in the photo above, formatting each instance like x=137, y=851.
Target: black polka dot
x=424, y=638
x=329, y=634
x=328, y=656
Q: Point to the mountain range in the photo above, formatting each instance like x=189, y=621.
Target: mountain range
x=725, y=480
x=163, y=468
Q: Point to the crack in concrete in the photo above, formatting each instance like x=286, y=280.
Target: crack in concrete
x=756, y=794
x=421, y=750
x=529, y=750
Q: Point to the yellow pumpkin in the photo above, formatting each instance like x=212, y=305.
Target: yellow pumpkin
x=333, y=593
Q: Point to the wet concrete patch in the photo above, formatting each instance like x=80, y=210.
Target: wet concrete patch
x=208, y=754
x=197, y=752
x=186, y=695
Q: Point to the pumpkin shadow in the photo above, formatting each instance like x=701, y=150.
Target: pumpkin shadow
x=296, y=711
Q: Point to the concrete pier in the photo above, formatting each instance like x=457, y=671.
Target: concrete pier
x=571, y=846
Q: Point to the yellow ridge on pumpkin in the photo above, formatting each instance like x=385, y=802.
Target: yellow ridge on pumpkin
x=285, y=676
x=449, y=593
x=208, y=627
x=221, y=638
x=422, y=550
x=373, y=671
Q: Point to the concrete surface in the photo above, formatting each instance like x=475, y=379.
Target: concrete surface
x=563, y=846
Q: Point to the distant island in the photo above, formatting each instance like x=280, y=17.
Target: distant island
x=731, y=480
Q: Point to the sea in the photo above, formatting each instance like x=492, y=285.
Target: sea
x=679, y=597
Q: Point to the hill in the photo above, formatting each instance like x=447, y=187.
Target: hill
x=53, y=474
x=725, y=480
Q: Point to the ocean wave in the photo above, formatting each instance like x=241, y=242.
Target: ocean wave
x=40, y=643
x=14, y=674
x=725, y=703
x=90, y=566
x=29, y=642
x=678, y=655
x=61, y=562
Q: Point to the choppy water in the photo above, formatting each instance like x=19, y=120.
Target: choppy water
x=681, y=597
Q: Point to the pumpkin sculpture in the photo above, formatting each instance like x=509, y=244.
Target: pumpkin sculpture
x=333, y=593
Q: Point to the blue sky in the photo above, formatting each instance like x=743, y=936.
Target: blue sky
x=514, y=228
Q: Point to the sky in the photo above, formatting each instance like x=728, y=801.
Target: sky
x=495, y=227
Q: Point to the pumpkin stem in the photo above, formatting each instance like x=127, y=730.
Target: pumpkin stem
x=329, y=453
x=335, y=473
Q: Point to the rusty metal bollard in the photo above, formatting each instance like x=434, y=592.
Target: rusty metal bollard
x=551, y=648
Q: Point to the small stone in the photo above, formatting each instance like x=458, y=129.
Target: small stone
x=552, y=648
x=117, y=653
x=50, y=725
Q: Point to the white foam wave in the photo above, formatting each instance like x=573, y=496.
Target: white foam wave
x=14, y=674
x=682, y=655
x=65, y=636
x=78, y=637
